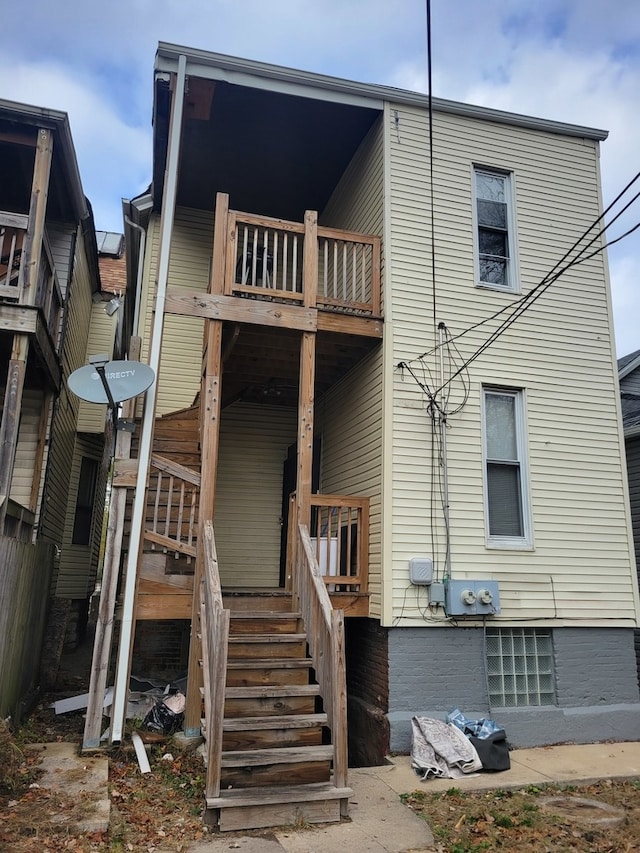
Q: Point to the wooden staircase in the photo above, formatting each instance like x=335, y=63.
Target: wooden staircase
x=277, y=755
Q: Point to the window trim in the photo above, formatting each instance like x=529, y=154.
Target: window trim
x=513, y=277
x=524, y=542
x=80, y=530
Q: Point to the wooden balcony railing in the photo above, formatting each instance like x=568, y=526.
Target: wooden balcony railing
x=340, y=541
x=13, y=229
x=172, y=503
x=214, y=631
x=18, y=522
x=265, y=260
x=48, y=295
x=325, y=636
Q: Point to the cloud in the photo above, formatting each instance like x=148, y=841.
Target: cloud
x=113, y=155
x=571, y=60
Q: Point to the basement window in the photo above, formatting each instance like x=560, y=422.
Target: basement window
x=84, y=502
x=520, y=667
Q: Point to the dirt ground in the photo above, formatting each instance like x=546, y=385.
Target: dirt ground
x=524, y=821
x=162, y=811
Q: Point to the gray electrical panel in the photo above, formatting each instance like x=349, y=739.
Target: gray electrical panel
x=436, y=593
x=472, y=598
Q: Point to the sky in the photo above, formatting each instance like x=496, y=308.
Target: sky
x=570, y=60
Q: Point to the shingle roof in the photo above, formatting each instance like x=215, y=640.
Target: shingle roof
x=626, y=361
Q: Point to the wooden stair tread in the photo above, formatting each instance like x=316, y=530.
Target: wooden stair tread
x=269, y=663
x=236, y=797
x=271, y=691
x=293, y=721
x=284, y=615
x=275, y=755
x=267, y=638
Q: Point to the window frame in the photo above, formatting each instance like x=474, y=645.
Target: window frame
x=520, y=664
x=525, y=541
x=513, y=279
x=85, y=511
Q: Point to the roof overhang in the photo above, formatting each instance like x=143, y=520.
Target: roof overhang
x=64, y=153
x=276, y=78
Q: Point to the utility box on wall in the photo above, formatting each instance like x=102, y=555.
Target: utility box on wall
x=472, y=598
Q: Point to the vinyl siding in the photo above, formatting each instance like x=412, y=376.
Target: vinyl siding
x=253, y=448
x=23, y=470
x=102, y=330
x=181, y=358
x=79, y=563
x=559, y=352
x=62, y=435
x=61, y=240
x=349, y=417
x=633, y=467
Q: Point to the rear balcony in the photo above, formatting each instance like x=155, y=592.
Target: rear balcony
x=303, y=264
x=23, y=311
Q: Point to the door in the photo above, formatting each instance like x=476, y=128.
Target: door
x=289, y=472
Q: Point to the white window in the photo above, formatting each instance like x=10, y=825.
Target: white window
x=495, y=230
x=506, y=487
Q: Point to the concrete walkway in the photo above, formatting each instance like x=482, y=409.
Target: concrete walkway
x=380, y=823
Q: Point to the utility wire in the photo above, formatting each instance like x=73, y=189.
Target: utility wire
x=517, y=308
x=431, y=183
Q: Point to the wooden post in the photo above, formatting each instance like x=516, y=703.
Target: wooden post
x=110, y=574
x=307, y=373
x=45, y=414
x=216, y=283
x=305, y=426
x=210, y=407
x=339, y=733
x=12, y=407
x=310, y=268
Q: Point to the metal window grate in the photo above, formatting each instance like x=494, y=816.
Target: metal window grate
x=519, y=667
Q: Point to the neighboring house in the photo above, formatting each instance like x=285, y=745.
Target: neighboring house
x=468, y=507
x=51, y=474
x=629, y=376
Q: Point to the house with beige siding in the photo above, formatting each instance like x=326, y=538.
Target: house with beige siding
x=52, y=474
x=370, y=480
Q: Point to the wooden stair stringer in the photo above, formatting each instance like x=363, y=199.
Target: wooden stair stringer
x=277, y=750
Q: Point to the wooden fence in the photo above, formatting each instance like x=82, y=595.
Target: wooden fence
x=25, y=576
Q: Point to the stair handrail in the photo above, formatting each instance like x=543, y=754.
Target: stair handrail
x=214, y=624
x=325, y=636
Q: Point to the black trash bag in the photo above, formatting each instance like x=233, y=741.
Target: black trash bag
x=493, y=751
x=163, y=720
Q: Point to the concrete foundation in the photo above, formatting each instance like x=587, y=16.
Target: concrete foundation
x=432, y=671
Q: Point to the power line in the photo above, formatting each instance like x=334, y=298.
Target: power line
x=517, y=308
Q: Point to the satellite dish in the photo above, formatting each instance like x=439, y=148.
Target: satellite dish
x=126, y=379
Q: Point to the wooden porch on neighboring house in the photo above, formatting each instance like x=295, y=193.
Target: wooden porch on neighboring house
x=266, y=681
x=30, y=319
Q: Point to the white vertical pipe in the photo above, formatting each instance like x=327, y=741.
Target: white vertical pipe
x=121, y=687
x=443, y=450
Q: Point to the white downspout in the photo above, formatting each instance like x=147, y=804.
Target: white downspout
x=121, y=688
x=141, y=251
